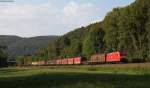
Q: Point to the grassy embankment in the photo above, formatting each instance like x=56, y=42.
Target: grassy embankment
x=103, y=76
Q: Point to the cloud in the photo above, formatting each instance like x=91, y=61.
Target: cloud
x=26, y=20
x=80, y=14
x=45, y=19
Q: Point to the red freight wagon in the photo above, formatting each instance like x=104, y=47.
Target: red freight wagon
x=64, y=61
x=58, y=62
x=115, y=56
x=79, y=60
x=44, y=63
x=70, y=61
x=51, y=62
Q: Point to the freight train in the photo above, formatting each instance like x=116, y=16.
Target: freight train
x=113, y=57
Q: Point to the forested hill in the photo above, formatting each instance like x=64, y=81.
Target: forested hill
x=18, y=46
x=123, y=29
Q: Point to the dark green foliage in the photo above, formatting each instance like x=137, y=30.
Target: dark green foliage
x=20, y=61
x=52, y=51
x=111, y=29
x=93, y=42
x=148, y=33
x=126, y=30
x=3, y=56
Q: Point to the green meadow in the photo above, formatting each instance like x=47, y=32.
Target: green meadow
x=101, y=76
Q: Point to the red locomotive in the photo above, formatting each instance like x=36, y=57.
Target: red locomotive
x=116, y=56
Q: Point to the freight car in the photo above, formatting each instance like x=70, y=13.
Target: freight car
x=97, y=59
x=40, y=63
x=71, y=61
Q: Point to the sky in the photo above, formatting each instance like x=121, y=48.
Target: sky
x=28, y=18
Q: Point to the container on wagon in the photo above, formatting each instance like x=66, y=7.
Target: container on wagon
x=79, y=60
x=98, y=58
x=70, y=61
x=58, y=62
x=64, y=61
x=51, y=62
x=34, y=63
x=43, y=62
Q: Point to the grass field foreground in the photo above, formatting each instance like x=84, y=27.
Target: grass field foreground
x=101, y=76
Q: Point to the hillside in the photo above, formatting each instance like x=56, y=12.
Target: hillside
x=18, y=46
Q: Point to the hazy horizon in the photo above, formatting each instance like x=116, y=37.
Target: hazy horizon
x=30, y=18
